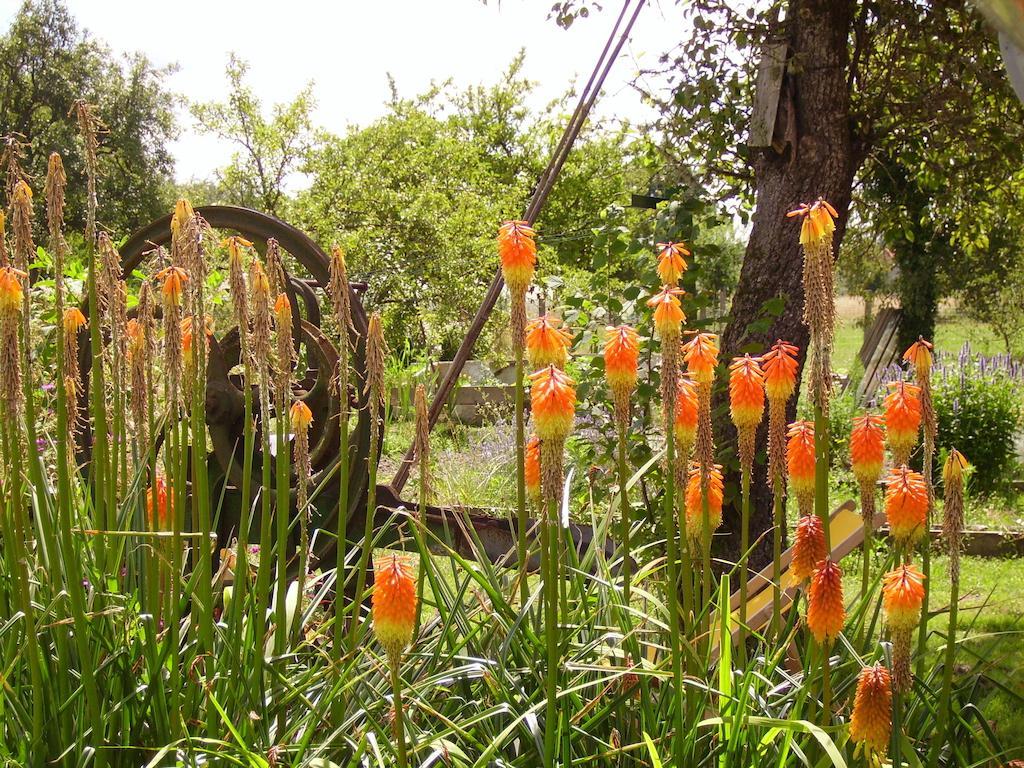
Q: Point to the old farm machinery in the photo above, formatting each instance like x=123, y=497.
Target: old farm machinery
x=473, y=534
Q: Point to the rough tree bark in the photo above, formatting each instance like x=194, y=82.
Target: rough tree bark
x=819, y=159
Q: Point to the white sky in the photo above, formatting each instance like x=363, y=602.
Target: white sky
x=347, y=49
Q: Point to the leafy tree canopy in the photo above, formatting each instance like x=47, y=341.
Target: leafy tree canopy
x=47, y=62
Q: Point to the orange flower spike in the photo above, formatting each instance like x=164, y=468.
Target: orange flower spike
x=779, y=365
x=902, y=418
x=826, y=611
x=235, y=244
x=552, y=403
x=902, y=597
x=906, y=504
x=173, y=281
x=546, y=343
x=686, y=412
x=954, y=468
x=136, y=341
x=701, y=356
x=668, y=312
x=531, y=468
x=157, y=508
x=258, y=278
x=621, y=356
x=300, y=416
x=919, y=354
x=74, y=320
x=867, y=447
x=694, y=503
x=800, y=457
x=871, y=721
x=671, y=262
x=518, y=253
x=11, y=293
x=394, y=605
x=746, y=392
x=808, y=548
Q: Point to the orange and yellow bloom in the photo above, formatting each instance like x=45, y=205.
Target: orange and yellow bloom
x=621, y=356
x=173, y=281
x=902, y=419
x=685, y=421
x=531, y=468
x=11, y=292
x=800, y=461
x=300, y=416
x=826, y=611
x=919, y=354
x=780, y=365
x=694, y=503
x=701, y=356
x=668, y=313
x=546, y=343
x=906, y=504
x=158, y=509
x=671, y=262
x=902, y=597
x=552, y=403
x=746, y=392
x=808, y=548
x=518, y=253
x=818, y=221
x=74, y=320
x=871, y=721
x=394, y=605
x=867, y=447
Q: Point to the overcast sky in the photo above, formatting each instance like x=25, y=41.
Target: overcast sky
x=347, y=49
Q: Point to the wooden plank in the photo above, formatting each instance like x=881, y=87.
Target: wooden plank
x=767, y=88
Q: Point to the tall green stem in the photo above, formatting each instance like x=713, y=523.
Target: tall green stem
x=549, y=566
x=672, y=588
x=371, y=510
x=821, y=441
x=396, y=690
x=945, y=714
x=779, y=516
x=744, y=548
x=625, y=517
x=521, y=519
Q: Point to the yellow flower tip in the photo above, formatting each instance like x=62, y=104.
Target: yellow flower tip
x=338, y=254
x=172, y=281
x=300, y=416
x=183, y=211
x=954, y=468
x=668, y=312
x=826, y=610
x=906, y=504
x=235, y=245
x=746, y=392
x=518, y=254
x=74, y=320
x=546, y=343
x=695, y=503
x=701, y=356
x=531, y=467
x=867, y=447
x=871, y=721
x=22, y=193
x=11, y=292
x=258, y=279
x=902, y=597
x=552, y=403
x=800, y=460
x=780, y=365
x=685, y=421
x=671, y=262
x=919, y=354
x=621, y=357
x=808, y=548
x=394, y=604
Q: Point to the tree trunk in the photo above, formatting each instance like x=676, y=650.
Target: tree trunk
x=819, y=159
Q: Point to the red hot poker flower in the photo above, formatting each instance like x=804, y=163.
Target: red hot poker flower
x=826, y=611
x=746, y=392
x=546, y=343
x=671, y=262
x=552, y=403
x=780, y=365
x=668, y=313
x=867, y=447
x=701, y=356
x=518, y=253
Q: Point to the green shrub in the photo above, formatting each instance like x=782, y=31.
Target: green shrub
x=979, y=403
